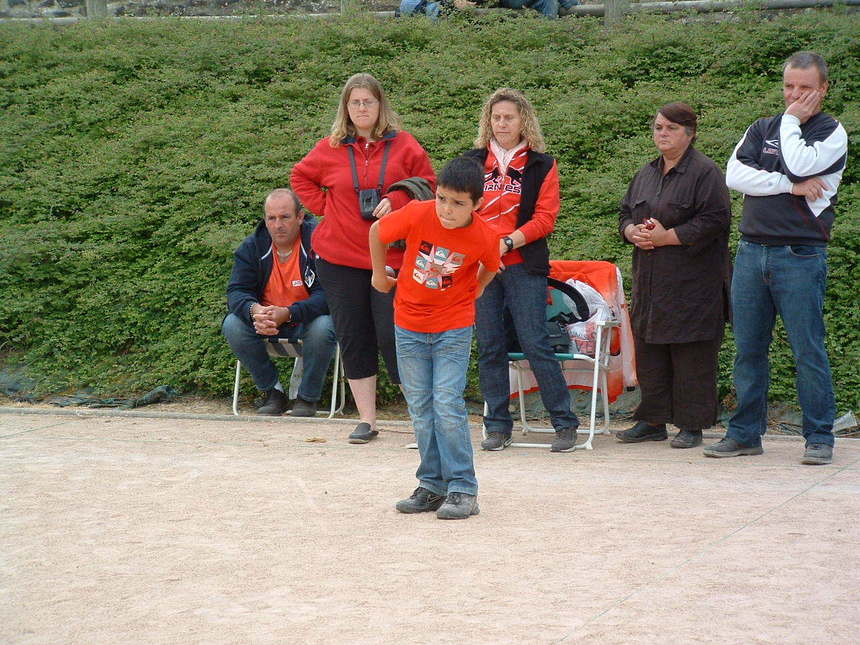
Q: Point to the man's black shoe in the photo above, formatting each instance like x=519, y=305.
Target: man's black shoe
x=817, y=454
x=362, y=433
x=643, y=432
x=687, y=439
x=275, y=404
x=730, y=448
x=496, y=441
x=458, y=506
x=421, y=501
x=302, y=408
x=565, y=440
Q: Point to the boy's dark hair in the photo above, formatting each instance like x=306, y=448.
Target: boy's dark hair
x=464, y=175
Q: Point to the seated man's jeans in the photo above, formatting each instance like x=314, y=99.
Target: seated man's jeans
x=318, y=347
x=524, y=296
x=789, y=281
x=433, y=374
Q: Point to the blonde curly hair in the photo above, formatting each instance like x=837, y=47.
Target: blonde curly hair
x=531, y=127
x=343, y=127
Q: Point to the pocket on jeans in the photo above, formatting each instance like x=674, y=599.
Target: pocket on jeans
x=804, y=250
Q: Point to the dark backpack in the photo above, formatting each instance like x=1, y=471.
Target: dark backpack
x=559, y=317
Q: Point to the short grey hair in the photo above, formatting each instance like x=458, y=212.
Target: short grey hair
x=805, y=60
x=284, y=192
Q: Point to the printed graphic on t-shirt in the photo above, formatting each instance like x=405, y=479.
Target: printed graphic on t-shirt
x=435, y=266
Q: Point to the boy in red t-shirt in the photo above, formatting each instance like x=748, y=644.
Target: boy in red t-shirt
x=451, y=255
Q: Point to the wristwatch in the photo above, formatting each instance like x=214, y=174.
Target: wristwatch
x=508, y=243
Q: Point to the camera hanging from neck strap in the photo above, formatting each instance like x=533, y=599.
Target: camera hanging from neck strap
x=381, y=170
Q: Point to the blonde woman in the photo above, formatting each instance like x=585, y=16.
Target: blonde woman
x=521, y=201
x=346, y=179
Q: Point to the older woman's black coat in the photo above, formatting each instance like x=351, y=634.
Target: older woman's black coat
x=681, y=293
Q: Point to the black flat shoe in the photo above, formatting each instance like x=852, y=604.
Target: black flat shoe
x=362, y=433
x=643, y=432
x=687, y=439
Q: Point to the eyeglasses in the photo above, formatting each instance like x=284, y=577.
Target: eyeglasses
x=369, y=103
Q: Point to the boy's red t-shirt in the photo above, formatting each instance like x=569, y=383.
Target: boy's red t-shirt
x=439, y=278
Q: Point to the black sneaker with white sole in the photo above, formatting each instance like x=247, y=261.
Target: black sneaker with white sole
x=421, y=501
x=458, y=506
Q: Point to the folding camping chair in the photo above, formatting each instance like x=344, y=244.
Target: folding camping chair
x=605, y=278
x=288, y=348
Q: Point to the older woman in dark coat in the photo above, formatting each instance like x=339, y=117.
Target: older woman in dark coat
x=677, y=214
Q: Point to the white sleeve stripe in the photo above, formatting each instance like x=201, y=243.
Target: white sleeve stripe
x=753, y=181
x=808, y=160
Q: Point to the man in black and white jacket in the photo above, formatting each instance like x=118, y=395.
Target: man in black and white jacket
x=788, y=167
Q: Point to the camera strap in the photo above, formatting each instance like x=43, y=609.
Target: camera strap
x=381, y=170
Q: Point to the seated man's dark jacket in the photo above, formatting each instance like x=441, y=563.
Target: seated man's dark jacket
x=252, y=267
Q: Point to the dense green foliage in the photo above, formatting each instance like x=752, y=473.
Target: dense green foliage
x=135, y=156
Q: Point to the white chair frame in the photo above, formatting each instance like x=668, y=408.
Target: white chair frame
x=598, y=365
x=286, y=348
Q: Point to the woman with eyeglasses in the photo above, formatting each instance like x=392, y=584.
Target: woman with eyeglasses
x=521, y=202
x=347, y=178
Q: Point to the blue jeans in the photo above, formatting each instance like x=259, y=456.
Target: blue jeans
x=417, y=7
x=524, y=295
x=433, y=373
x=548, y=8
x=318, y=347
x=789, y=281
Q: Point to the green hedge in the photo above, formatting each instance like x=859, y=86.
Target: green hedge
x=134, y=156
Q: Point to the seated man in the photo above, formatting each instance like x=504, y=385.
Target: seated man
x=274, y=293
x=435, y=8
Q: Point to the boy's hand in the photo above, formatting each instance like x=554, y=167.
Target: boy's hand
x=382, y=283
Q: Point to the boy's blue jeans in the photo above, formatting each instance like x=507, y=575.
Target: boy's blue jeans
x=789, y=281
x=318, y=348
x=433, y=373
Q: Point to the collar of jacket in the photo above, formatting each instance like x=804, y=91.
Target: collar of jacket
x=385, y=137
x=263, y=241
x=681, y=166
x=531, y=159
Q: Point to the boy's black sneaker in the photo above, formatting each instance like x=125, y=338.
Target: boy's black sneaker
x=458, y=506
x=496, y=441
x=565, y=440
x=421, y=501
x=275, y=404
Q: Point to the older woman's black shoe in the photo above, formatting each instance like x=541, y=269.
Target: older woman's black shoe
x=643, y=432
x=687, y=439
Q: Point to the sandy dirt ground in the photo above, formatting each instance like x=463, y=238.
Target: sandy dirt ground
x=159, y=530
